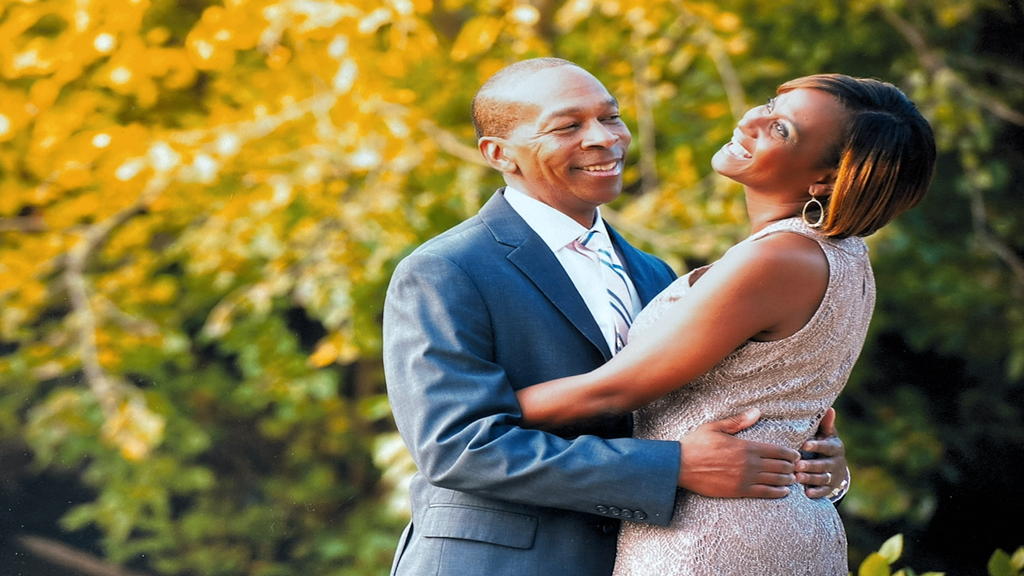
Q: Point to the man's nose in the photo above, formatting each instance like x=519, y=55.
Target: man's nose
x=597, y=135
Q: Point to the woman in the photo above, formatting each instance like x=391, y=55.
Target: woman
x=776, y=324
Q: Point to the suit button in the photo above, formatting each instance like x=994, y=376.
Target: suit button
x=614, y=511
x=639, y=515
x=602, y=509
x=627, y=513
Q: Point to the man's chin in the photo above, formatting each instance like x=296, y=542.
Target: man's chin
x=606, y=194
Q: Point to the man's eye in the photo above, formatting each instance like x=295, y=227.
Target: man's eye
x=567, y=127
x=613, y=118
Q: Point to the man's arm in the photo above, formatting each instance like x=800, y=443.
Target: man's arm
x=458, y=414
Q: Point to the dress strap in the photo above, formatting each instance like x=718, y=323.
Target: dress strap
x=853, y=245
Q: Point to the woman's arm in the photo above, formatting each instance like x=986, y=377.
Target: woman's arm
x=763, y=290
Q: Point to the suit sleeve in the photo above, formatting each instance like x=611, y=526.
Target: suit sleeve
x=457, y=411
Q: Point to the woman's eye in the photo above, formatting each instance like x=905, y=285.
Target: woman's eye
x=770, y=105
x=780, y=128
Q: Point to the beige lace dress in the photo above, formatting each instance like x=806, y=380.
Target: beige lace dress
x=792, y=381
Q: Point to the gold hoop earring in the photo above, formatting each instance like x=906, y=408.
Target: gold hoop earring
x=808, y=208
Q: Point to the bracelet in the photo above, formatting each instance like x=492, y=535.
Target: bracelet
x=838, y=492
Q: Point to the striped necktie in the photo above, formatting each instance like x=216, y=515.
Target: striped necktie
x=594, y=244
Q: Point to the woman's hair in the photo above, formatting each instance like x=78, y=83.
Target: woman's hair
x=885, y=154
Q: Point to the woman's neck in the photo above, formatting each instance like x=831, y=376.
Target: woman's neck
x=764, y=211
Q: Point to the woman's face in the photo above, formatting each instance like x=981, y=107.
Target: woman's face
x=779, y=148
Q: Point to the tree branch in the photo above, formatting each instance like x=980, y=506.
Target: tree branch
x=1007, y=72
x=935, y=64
x=979, y=218
x=730, y=79
x=23, y=224
x=451, y=144
x=645, y=119
x=115, y=397
x=63, y=555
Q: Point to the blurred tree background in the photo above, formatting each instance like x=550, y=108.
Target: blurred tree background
x=202, y=203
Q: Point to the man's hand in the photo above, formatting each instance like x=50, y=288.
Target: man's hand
x=827, y=470
x=715, y=463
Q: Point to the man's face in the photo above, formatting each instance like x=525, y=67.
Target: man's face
x=569, y=146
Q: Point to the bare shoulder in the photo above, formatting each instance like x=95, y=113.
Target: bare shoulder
x=781, y=254
x=783, y=276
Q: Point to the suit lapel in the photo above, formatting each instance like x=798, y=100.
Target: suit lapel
x=533, y=257
x=645, y=279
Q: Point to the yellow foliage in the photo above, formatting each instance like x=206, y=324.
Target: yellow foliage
x=162, y=291
x=134, y=429
x=715, y=110
x=325, y=354
x=14, y=112
x=478, y=34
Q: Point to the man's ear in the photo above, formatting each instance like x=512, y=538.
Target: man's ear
x=823, y=187
x=497, y=152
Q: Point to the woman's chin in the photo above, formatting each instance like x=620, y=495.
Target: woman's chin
x=720, y=164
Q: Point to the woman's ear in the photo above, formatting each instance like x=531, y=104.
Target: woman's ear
x=498, y=153
x=823, y=187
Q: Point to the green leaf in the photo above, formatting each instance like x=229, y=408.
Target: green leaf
x=874, y=565
x=892, y=549
x=1017, y=560
x=999, y=564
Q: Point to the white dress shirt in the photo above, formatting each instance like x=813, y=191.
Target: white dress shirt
x=559, y=231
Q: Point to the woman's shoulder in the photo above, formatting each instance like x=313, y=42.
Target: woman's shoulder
x=780, y=270
x=779, y=249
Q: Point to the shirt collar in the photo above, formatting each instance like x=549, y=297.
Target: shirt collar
x=556, y=229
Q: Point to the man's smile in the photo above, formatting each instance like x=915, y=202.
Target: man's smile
x=608, y=167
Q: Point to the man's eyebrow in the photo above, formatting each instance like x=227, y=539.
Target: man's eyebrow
x=570, y=110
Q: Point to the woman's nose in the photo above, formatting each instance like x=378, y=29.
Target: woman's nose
x=750, y=119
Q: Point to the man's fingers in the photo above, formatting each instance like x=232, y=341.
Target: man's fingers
x=830, y=447
x=715, y=463
x=827, y=427
x=764, y=450
x=816, y=466
x=821, y=479
x=777, y=466
x=817, y=492
x=737, y=422
x=826, y=467
x=763, y=491
x=770, y=479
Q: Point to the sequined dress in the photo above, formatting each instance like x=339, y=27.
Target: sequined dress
x=792, y=381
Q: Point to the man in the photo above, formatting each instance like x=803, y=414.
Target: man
x=506, y=300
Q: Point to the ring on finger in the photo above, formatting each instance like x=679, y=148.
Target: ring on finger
x=828, y=478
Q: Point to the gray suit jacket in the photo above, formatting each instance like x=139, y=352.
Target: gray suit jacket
x=470, y=317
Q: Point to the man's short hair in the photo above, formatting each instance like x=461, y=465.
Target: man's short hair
x=494, y=114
